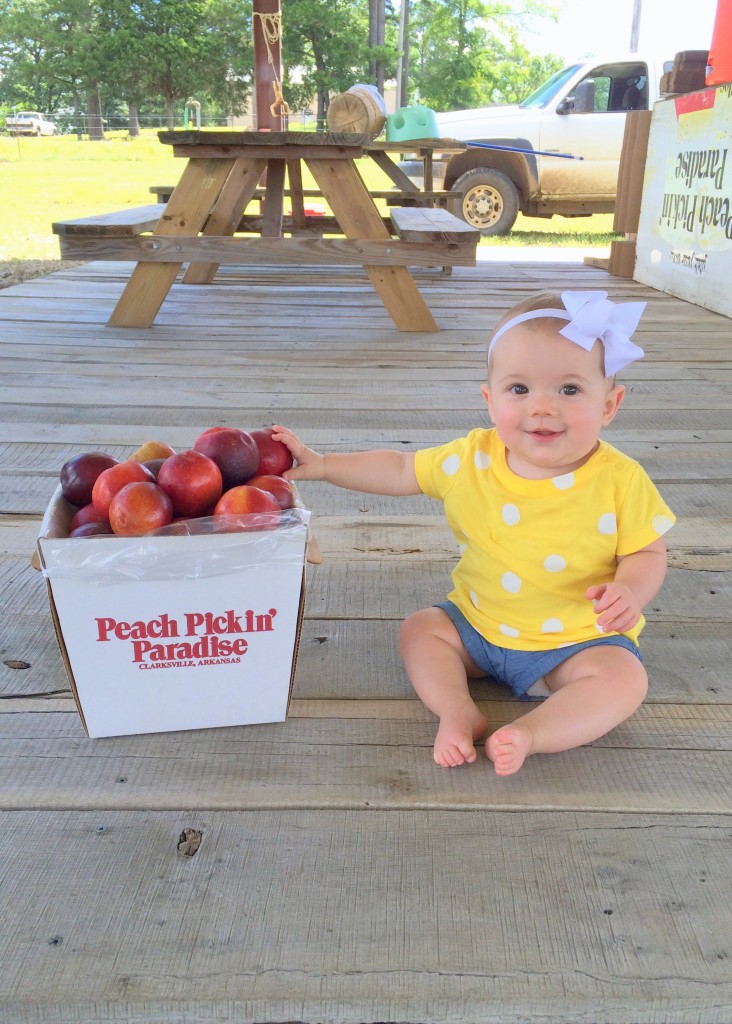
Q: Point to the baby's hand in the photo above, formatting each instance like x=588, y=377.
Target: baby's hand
x=616, y=607
x=309, y=463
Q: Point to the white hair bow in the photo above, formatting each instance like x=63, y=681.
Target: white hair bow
x=592, y=317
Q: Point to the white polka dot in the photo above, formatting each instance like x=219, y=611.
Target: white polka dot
x=511, y=515
x=661, y=524
x=564, y=482
x=511, y=582
x=482, y=460
x=509, y=630
x=554, y=563
x=474, y=598
x=552, y=626
x=451, y=465
x=607, y=524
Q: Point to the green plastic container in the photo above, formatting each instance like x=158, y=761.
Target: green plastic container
x=411, y=123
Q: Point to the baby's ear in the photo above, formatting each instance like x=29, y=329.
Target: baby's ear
x=486, y=393
x=613, y=401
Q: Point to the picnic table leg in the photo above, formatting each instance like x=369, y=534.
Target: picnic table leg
x=273, y=199
x=358, y=217
x=183, y=214
x=227, y=212
x=294, y=174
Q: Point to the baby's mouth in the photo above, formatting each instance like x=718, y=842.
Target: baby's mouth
x=544, y=434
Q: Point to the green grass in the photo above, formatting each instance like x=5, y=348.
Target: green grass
x=49, y=179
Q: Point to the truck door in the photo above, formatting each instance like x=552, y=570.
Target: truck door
x=593, y=130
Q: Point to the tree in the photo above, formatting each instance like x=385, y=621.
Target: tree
x=325, y=49
x=465, y=53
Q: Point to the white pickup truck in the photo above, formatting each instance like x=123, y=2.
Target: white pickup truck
x=556, y=153
x=29, y=122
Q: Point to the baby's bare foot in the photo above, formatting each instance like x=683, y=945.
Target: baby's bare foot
x=508, y=748
x=456, y=735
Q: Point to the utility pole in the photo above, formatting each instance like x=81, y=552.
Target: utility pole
x=402, y=92
x=635, y=27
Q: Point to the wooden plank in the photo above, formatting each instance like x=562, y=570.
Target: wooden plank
x=272, y=250
x=434, y=225
x=355, y=764
x=364, y=917
x=118, y=224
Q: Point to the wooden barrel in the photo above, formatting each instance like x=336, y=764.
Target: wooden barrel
x=361, y=110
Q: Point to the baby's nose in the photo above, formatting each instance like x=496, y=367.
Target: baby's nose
x=543, y=403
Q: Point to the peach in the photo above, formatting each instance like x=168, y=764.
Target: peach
x=152, y=450
x=192, y=481
x=114, y=479
x=233, y=451
x=274, y=456
x=277, y=486
x=260, y=507
x=139, y=508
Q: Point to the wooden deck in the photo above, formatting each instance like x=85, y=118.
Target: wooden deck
x=342, y=877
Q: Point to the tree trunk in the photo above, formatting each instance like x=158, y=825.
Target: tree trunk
x=169, y=102
x=94, y=123
x=380, y=37
x=322, y=113
x=134, y=122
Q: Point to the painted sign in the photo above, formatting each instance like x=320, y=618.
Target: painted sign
x=685, y=229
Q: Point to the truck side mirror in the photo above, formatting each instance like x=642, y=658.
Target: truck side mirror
x=564, y=106
x=584, y=97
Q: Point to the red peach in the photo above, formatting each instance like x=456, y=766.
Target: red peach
x=244, y=500
x=274, y=456
x=92, y=529
x=192, y=481
x=79, y=475
x=139, y=508
x=114, y=479
x=276, y=485
x=87, y=514
x=233, y=451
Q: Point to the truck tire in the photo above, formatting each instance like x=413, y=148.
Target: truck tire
x=490, y=200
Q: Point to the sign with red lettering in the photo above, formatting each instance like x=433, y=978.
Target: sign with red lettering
x=685, y=230
x=179, y=632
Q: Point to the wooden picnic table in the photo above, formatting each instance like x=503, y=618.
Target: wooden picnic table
x=220, y=178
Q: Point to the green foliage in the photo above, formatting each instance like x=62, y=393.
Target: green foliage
x=57, y=56
x=466, y=53
x=54, y=52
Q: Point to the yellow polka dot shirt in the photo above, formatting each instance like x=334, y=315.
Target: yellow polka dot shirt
x=530, y=548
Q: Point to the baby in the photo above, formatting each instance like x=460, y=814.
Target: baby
x=560, y=537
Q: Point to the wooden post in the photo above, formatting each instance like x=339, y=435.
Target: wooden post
x=270, y=107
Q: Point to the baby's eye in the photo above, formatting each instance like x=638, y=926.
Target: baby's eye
x=518, y=389
x=569, y=389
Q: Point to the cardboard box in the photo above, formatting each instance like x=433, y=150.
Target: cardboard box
x=161, y=633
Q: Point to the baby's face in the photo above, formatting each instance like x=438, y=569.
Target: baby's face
x=549, y=399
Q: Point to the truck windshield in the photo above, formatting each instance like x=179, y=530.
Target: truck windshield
x=541, y=96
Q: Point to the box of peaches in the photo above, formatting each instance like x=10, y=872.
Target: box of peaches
x=176, y=582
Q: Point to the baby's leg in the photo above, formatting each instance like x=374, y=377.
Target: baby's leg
x=438, y=667
x=592, y=692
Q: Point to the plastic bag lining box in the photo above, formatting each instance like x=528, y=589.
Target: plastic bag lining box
x=163, y=633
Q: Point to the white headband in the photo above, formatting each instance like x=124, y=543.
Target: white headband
x=592, y=317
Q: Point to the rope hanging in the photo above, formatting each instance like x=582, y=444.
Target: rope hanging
x=271, y=25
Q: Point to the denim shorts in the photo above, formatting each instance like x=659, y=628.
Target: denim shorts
x=520, y=670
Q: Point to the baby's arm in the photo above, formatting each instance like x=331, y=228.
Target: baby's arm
x=637, y=581
x=376, y=472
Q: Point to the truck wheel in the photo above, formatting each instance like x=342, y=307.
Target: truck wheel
x=490, y=200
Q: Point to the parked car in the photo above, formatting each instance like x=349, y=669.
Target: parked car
x=29, y=122
x=558, y=152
